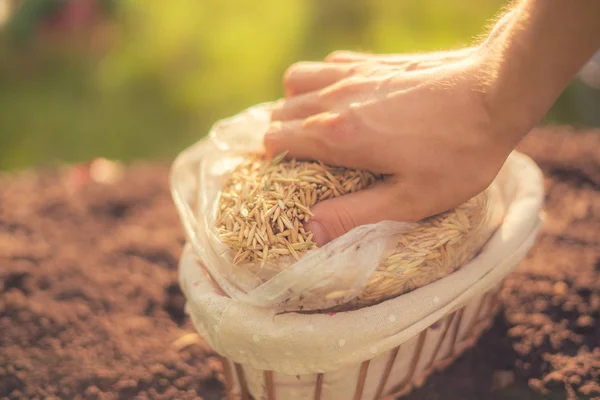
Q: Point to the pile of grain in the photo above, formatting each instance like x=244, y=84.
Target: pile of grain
x=265, y=203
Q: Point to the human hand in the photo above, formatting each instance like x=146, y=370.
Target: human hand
x=426, y=129
x=304, y=77
x=438, y=126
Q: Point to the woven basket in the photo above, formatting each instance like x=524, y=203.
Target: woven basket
x=377, y=352
x=385, y=377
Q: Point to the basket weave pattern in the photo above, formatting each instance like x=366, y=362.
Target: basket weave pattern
x=448, y=338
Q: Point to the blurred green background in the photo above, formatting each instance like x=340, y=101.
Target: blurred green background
x=134, y=79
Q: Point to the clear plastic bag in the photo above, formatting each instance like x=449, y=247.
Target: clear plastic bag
x=350, y=271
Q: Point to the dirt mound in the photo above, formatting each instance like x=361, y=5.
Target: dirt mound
x=90, y=307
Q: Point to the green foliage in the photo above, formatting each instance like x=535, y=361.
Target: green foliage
x=170, y=69
x=209, y=56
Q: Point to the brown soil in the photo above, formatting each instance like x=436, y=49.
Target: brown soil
x=90, y=306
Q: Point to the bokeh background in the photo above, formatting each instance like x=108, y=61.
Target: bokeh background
x=129, y=79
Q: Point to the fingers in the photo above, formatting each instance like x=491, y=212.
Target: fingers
x=332, y=98
x=300, y=138
x=306, y=77
x=406, y=61
x=297, y=107
x=343, y=56
x=332, y=138
x=381, y=202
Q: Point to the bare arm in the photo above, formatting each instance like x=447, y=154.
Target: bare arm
x=536, y=56
x=440, y=126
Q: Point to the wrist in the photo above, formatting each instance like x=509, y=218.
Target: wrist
x=518, y=82
x=533, y=57
x=513, y=102
x=509, y=114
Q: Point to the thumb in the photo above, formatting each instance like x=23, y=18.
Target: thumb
x=333, y=218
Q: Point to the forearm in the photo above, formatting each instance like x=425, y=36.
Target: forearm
x=533, y=58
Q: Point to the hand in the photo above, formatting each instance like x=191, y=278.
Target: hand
x=307, y=76
x=439, y=126
x=304, y=77
x=427, y=130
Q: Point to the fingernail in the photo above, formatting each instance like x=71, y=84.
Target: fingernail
x=320, y=236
